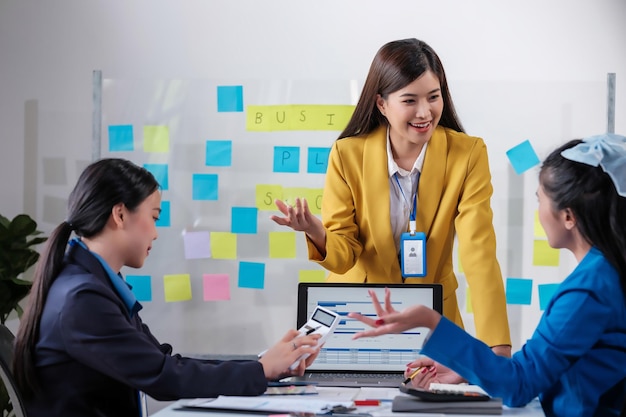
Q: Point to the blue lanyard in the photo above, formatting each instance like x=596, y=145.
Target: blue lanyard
x=414, y=206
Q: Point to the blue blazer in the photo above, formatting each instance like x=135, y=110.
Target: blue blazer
x=576, y=359
x=92, y=357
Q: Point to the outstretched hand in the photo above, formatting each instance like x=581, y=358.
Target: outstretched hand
x=300, y=219
x=298, y=216
x=391, y=321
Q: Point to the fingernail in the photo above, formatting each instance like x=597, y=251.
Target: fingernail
x=432, y=369
x=424, y=370
x=380, y=322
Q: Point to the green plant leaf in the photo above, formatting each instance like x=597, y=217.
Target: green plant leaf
x=17, y=237
x=22, y=225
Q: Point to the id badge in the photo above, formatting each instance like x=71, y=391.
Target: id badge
x=413, y=254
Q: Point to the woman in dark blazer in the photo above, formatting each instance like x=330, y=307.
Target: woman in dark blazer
x=82, y=349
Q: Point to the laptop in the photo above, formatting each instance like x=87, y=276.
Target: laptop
x=367, y=362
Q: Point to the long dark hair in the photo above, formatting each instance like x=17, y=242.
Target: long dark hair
x=590, y=194
x=396, y=65
x=102, y=185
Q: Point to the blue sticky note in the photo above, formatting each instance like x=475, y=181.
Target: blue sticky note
x=546, y=291
x=286, y=159
x=230, y=98
x=219, y=153
x=251, y=275
x=317, y=161
x=121, y=138
x=522, y=157
x=160, y=172
x=204, y=187
x=142, y=286
x=164, y=217
x=244, y=220
x=519, y=291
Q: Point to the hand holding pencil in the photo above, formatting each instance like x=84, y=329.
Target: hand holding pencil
x=424, y=371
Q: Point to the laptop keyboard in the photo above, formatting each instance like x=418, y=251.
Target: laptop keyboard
x=356, y=376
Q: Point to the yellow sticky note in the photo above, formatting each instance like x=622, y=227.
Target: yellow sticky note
x=266, y=194
x=539, y=232
x=321, y=117
x=290, y=194
x=316, y=275
x=282, y=244
x=314, y=199
x=298, y=117
x=544, y=255
x=156, y=139
x=177, y=287
x=468, y=301
x=223, y=245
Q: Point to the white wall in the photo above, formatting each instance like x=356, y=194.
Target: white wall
x=501, y=58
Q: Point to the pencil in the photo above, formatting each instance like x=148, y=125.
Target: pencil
x=415, y=372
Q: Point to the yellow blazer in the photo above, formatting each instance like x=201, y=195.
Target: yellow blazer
x=454, y=195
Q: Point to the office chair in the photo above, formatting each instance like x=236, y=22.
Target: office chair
x=6, y=377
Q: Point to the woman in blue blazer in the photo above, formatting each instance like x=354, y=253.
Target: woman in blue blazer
x=575, y=360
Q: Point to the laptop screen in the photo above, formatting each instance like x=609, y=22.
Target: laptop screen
x=382, y=353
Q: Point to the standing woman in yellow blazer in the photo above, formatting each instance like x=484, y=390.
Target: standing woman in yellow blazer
x=405, y=144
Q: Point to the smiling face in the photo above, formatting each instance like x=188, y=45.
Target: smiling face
x=413, y=112
x=140, y=230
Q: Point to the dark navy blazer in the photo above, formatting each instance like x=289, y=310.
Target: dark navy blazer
x=92, y=357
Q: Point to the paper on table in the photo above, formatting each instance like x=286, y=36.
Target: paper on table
x=269, y=404
x=461, y=388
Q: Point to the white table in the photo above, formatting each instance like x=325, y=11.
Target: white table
x=346, y=394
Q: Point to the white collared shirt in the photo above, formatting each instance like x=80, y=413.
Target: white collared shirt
x=400, y=208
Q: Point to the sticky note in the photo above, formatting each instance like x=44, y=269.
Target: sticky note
x=160, y=173
x=121, y=138
x=546, y=291
x=538, y=228
x=204, y=186
x=265, y=196
x=544, y=255
x=317, y=160
x=286, y=159
x=230, y=98
x=164, y=217
x=291, y=193
x=522, y=157
x=156, y=139
x=177, y=287
x=219, y=153
x=314, y=199
x=251, y=275
x=223, y=245
x=197, y=245
x=282, y=244
x=298, y=117
x=215, y=287
x=243, y=220
x=141, y=286
x=519, y=291
x=314, y=275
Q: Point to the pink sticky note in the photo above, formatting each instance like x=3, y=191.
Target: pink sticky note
x=215, y=287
